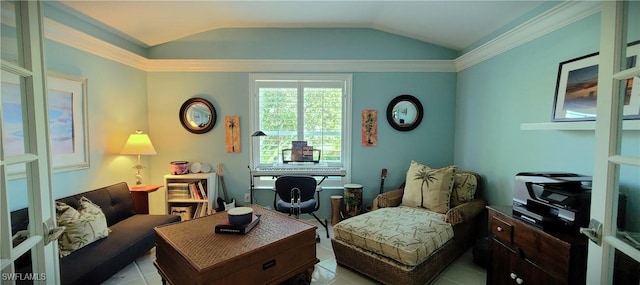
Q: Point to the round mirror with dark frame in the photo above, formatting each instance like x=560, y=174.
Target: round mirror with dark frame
x=404, y=113
x=197, y=115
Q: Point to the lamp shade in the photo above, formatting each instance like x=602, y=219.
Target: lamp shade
x=139, y=144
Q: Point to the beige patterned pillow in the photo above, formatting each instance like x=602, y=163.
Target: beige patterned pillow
x=83, y=226
x=428, y=188
x=464, y=189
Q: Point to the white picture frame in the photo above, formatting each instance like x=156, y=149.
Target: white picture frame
x=68, y=123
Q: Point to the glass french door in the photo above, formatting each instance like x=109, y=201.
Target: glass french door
x=25, y=149
x=614, y=256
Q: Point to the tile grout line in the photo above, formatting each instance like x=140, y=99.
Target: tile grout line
x=135, y=262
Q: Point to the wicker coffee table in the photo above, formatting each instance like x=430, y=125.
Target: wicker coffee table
x=277, y=249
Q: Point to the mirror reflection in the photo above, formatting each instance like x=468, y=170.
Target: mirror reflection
x=197, y=115
x=404, y=113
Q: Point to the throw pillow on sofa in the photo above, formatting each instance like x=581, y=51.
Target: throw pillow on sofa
x=464, y=189
x=428, y=188
x=83, y=226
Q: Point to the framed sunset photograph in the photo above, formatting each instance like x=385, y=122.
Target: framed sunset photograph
x=577, y=88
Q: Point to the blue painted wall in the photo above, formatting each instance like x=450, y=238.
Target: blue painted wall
x=518, y=86
x=116, y=107
x=431, y=143
x=289, y=43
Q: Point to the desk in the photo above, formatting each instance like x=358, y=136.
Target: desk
x=323, y=172
x=140, y=196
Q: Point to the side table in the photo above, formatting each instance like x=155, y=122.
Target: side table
x=140, y=196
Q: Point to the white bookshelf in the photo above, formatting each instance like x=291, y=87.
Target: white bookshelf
x=209, y=182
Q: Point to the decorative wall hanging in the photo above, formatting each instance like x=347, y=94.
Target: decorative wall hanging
x=577, y=88
x=67, y=99
x=232, y=133
x=369, y=125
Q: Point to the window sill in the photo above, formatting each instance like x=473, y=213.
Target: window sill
x=627, y=125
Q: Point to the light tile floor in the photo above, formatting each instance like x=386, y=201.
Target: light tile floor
x=461, y=271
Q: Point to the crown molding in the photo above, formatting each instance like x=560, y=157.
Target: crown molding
x=555, y=18
x=71, y=37
x=549, y=21
x=241, y=65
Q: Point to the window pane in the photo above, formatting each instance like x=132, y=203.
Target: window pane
x=323, y=121
x=17, y=199
x=307, y=108
x=628, y=218
x=625, y=269
x=13, y=141
x=9, y=41
x=278, y=118
x=632, y=11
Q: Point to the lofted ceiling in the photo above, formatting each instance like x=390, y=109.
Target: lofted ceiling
x=452, y=24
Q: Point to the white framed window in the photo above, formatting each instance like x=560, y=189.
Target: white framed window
x=315, y=108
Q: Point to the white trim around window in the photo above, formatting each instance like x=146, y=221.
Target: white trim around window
x=342, y=80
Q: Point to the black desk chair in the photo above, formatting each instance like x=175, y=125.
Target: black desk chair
x=296, y=194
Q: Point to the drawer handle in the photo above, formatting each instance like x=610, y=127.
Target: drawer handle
x=268, y=264
x=500, y=229
x=519, y=280
x=513, y=276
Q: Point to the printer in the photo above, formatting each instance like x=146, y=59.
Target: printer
x=553, y=200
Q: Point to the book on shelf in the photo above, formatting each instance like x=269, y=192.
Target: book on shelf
x=173, y=196
x=202, y=191
x=201, y=210
x=195, y=193
x=177, y=186
x=179, y=194
x=204, y=209
x=197, y=212
x=178, y=190
x=227, y=228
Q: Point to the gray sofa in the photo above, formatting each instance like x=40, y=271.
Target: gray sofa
x=131, y=236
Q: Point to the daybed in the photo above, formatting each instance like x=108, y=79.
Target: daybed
x=129, y=236
x=401, y=243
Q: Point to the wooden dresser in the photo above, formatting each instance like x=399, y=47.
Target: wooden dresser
x=521, y=253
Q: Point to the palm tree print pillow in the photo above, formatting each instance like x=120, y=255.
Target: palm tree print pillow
x=83, y=226
x=464, y=189
x=428, y=188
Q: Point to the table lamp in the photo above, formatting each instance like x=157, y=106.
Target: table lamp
x=138, y=144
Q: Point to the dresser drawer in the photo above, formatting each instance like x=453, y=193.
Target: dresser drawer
x=546, y=251
x=500, y=229
x=522, y=251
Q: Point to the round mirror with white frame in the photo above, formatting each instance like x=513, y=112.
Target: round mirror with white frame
x=197, y=115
